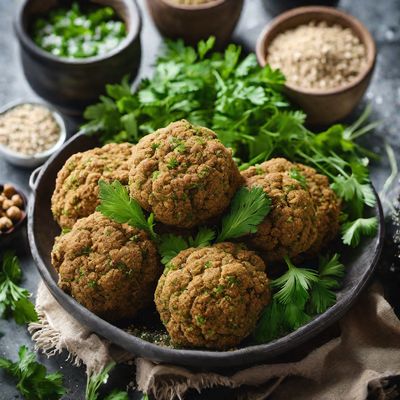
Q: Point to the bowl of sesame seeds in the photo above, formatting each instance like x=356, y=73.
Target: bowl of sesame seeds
x=30, y=133
x=327, y=57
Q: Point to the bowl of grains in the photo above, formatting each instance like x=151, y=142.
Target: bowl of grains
x=195, y=20
x=30, y=133
x=327, y=57
x=12, y=212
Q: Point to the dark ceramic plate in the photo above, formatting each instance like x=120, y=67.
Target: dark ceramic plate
x=360, y=264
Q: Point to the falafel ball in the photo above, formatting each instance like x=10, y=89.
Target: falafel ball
x=76, y=192
x=327, y=204
x=183, y=174
x=110, y=268
x=212, y=297
x=290, y=227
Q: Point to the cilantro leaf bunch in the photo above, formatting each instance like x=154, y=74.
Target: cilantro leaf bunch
x=14, y=300
x=95, y=381
x=34, y=383
x=298, y=295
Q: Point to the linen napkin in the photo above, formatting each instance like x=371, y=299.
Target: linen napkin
x=363, y=359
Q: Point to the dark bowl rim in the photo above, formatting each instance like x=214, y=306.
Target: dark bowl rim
x=195, y=7
x=27, y=41
x=369, y=44
x=20, y=223
x=217, y=359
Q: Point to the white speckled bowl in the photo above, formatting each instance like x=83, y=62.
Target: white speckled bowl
x=22, y=160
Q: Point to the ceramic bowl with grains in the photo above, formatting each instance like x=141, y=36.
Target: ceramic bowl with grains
x=195, y=20
x=327, y=57
x=30, y=133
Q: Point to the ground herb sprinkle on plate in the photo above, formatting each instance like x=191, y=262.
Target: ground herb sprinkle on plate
x=29, y=129
x=318, y=56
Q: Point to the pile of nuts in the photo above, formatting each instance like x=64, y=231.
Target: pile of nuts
x=318, y=56
x=11, y=208
x=29, y=129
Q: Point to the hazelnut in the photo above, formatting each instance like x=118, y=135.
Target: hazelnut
x=5, y=224
x=17, y=200
x=2, y=198
x=14, y=213
x=7, y=203
x=8, y=190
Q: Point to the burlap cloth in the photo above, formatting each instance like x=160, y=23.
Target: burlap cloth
x=366, y=352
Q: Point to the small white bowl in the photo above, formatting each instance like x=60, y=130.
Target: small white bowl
x=34, y=160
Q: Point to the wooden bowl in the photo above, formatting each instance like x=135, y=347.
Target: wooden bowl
x=323, y=107
x=12, y=236
x=42, y=229
x=196, y=22
x=72, y=84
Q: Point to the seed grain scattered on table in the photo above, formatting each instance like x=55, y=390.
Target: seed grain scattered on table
x=29, y=129
x=318, y=56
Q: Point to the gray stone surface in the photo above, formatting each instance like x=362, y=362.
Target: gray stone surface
x=383, y=20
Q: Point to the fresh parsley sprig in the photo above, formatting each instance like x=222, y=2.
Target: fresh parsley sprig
x=116, y=204
x=14, y=300
x=34, y=383
x=247, y=210
x=299, y=294
x=96, y=380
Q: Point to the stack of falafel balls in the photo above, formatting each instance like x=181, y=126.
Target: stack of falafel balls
x=209, y=297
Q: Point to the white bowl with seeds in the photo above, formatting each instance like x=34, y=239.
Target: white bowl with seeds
x=30, y=132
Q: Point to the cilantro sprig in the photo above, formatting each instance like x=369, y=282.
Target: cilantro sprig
x=116, y=204
x=95, y=381
x=247, y=210
x=299, y=294
x=34, y=383
x=14, y=300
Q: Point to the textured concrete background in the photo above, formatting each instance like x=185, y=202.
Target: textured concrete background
x=383, y=20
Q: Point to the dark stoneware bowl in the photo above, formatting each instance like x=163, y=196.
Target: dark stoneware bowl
x=196, y=22
x=72, y=84
x=42, y=229
x=275, y=7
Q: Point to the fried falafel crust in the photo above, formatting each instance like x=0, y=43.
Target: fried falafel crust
x=290, y=227
x=76, y=192
x=327, y=205
x=183, y=174
x=212, y=297
x=110, y=268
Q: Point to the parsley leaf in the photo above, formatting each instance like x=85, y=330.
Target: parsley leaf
x=14, y=299
x=352, y=231
x=248, y=208
x=330, y=272
x=34, y=383
x=95, y=381
x=294, y=284
x=299, y=294
x=170, y=246
x=203, y=238
x=116, y=204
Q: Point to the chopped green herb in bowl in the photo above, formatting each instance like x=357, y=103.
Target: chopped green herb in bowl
x=79, y=32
